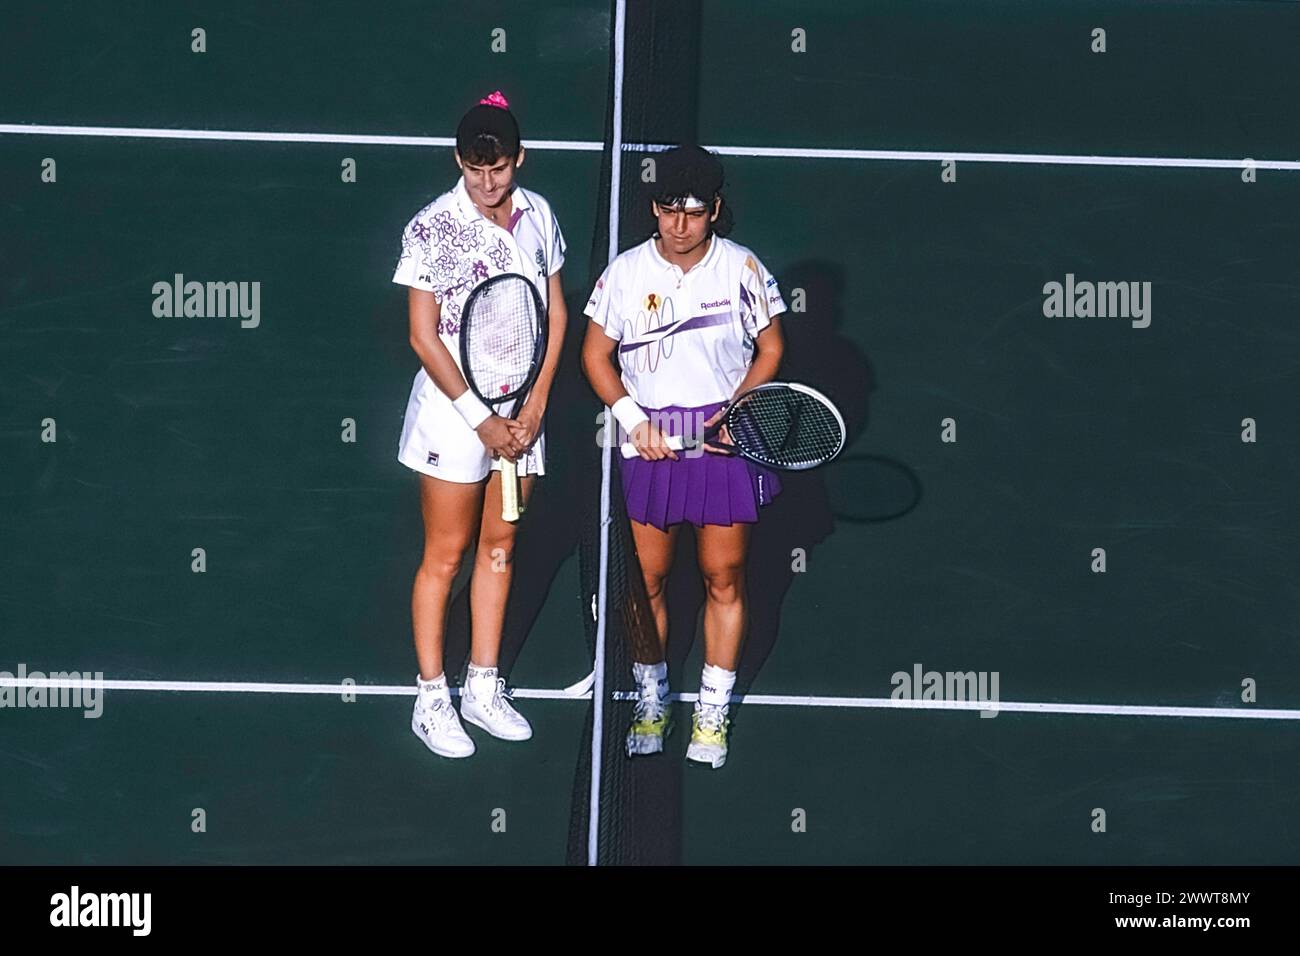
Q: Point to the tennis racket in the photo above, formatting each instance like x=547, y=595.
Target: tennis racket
x=781, y=424
x=502, y=342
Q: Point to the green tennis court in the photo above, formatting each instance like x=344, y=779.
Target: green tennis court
x=994, y=449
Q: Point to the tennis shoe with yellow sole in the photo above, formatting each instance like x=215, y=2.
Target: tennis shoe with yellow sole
x=652, y=722
x=490, y=709
x=709, y=726
x=435, y=722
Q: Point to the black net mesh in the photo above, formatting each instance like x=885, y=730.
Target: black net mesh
x=638, y=799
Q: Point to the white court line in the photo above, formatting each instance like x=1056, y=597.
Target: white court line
x=935, y=156
x=594, y=146
x=777, y=700
x=257, y=687
x=1028, y=707
x=255, y=136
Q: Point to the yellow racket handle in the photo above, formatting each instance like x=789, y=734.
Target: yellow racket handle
x=510, y=507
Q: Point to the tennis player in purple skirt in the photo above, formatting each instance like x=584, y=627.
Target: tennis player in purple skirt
x=684, y=314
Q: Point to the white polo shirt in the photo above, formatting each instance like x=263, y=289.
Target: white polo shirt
x=449, y=247
x=684, y=338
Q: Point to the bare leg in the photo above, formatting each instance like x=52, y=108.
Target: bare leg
x=655, y=549
x=450, y=511
x=494, y=567
x=721, y=550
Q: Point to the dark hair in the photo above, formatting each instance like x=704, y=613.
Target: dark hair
x=690, y=170
x=486, y=134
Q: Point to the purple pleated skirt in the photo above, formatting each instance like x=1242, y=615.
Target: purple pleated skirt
x=700, y=487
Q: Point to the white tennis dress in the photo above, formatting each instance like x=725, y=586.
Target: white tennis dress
x=448, y=248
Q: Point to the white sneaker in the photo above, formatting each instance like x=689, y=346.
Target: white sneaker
x=484, y=704
x=652, y=722
x=439, y=727
x=709, y=726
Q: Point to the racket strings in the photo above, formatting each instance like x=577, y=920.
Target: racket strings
x=785, y=428
x=501, y=325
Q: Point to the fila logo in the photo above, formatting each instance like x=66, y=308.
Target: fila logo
x=433, y=458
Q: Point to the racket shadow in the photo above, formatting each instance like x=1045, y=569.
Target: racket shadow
x=871, y=489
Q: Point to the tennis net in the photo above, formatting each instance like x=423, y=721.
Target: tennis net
x=627, y=811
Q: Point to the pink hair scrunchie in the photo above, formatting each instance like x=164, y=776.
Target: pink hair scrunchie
x=495, y=99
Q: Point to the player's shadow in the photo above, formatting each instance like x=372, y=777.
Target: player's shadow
x=801, y=517
x=548, y=531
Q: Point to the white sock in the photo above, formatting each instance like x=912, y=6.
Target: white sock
x=433, y=690
x=652, y=675
x=482, y=681
x=715, y=686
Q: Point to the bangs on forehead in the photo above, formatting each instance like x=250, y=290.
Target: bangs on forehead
x=485, y=150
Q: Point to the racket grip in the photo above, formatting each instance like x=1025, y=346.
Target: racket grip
x=510, y=509
x=674, y=442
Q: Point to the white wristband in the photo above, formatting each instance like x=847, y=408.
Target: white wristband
x=628, y=413
x=472, y=409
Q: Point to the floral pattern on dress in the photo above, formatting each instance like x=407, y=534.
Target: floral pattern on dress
x=466, y=274
x=415, y=244
x=420, y=230
x=449, y=318
x=445, y=263
x=500, y=255
x=452, y=257
x=469, y=237
x=444, y=224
